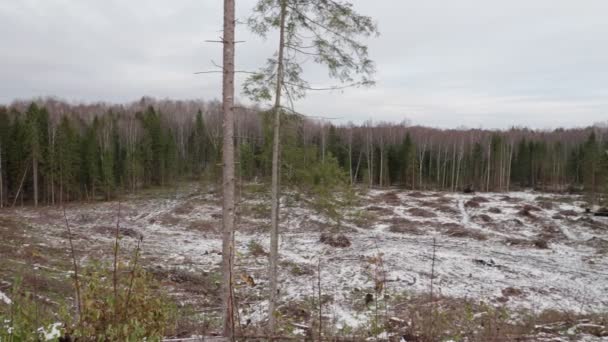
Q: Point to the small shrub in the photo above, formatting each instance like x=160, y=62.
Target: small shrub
x=138, y=309
x=25, y=319
x=256, y=249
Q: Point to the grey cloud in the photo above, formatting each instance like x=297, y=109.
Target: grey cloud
x=477, y=63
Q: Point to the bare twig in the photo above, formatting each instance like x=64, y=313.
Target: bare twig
x=132, y=276
x=20, y=186
x=115, y=271
x=75, y=264
x=432, y=306
x=320, y=300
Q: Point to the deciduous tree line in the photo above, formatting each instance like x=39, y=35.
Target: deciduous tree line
x=52, y=151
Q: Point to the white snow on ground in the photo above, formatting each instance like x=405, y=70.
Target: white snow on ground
x=50, y=333
x=571, y=274
x=5, y=299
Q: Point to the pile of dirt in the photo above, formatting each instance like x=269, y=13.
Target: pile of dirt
x=598, y=243
x=406, y=227
x=471, y=204
x=529, y=207
x=295, y=311
x=440, y=204
x=495, y=210
x=480, y=199
x=421, y=212
x=193, y=282
x=183, y=209
x=298, y=270
x=461, y=232
x=488, y=263
x=513, y=222
x=568, y=213
x=204, y=226
x=122, y=232
x=335, y=240
x=483, y=218
x=538, y=243
x=541, y=243
x=601, y=212
x=446, y=209
x=510, y=199
x=417, y=194
x=516, y=242
x=527, y=211
x=591, y=223
x=168, y=219
x=379, y=210
x=511, y=292
x=391, y=198
x=546, y=205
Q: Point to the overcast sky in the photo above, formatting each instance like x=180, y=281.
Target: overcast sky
x=475, y=63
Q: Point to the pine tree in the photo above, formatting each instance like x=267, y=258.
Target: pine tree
x=90, y=160
x=66, y=146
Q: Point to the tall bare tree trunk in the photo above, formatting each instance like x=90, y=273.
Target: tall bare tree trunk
x=509, y=166
x=274, y=230
x=350, y=155
x=489, y=162
x=20, y=186
x=421, y=164
x=381, y=162
x=453, y=185
x=438, y=174
x=370, y=155
x=323, y=142
x=228, y=169
x=358, y=164
x=1, y=179
x=35, y=177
